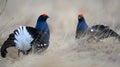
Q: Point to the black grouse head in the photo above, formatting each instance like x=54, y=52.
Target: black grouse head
x=80, y=17
x=43, y=17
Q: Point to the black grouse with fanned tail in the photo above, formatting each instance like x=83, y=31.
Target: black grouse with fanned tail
x=25, y=37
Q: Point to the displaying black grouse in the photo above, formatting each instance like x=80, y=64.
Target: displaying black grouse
x=25, y=37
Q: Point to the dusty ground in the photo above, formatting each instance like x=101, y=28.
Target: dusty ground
x=64, y=50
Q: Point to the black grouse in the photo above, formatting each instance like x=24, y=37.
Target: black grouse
x=25, y=37
x=81, y=26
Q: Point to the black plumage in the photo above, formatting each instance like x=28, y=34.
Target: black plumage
x=26, y=37
x=101, y=32
x=81, y=27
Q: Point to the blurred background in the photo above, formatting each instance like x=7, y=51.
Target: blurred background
x=63, y=51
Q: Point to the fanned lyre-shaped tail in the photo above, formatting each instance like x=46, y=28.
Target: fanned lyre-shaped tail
x=8, y=43
x=37, y=38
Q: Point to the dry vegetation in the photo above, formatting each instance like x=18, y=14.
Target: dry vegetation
x=64, y=50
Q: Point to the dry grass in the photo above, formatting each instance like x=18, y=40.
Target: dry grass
x=63, y=51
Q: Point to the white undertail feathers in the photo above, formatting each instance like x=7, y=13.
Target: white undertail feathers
x=23, y=39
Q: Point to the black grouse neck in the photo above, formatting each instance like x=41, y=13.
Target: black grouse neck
x=81, y=19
